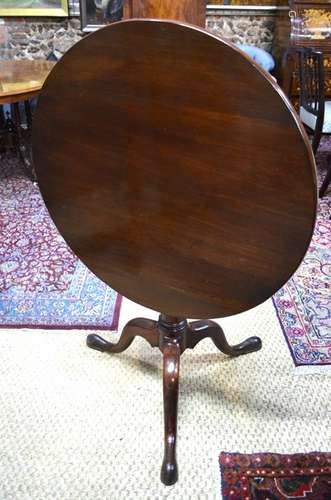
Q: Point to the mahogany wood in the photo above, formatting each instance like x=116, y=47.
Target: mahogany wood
x=171, y=357
x=187, y=335
x=138, y=326
x=185, y=196
x=190, y=11
x=172, y=335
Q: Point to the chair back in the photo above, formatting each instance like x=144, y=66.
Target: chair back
x=311, y=79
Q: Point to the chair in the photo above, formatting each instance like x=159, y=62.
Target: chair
x=315, y=112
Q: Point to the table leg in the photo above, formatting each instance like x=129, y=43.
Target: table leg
x=199, y=330
x=142, y=327
x=28, y=114
x=172, y=335
x=171, y=357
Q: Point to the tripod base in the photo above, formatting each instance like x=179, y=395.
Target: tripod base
x=172, y=336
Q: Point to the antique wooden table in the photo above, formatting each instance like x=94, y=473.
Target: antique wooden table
x=23, y=79
x=183, y=195
x=20, y=80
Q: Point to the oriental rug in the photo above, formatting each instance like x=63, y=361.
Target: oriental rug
x=42, y=283
x=272, y=476
x=303, y=305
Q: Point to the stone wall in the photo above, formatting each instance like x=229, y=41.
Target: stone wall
x=34, y=38
x=269, y=30
x=243, y=28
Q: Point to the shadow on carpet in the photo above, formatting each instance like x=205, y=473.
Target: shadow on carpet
x=42, y=283
x=303, y=305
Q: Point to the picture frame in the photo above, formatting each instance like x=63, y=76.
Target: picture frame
x=97, y=13
x=35, y=8
x=310, y=22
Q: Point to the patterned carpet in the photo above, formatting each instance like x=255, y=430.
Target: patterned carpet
x=41, y=281
x=303, y=305
x=272, y=476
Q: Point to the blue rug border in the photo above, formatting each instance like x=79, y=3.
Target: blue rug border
x=112, y=327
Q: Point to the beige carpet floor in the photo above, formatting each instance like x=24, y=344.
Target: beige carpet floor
x=81, y=425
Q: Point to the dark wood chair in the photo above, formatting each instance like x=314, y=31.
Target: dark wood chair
x=315, y=111
x=312, y=100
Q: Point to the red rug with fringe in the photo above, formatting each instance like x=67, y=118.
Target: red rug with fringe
x=273, y=476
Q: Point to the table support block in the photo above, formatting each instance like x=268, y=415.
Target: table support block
x=172, y=335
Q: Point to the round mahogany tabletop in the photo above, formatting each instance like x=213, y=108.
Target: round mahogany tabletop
x=175, y=168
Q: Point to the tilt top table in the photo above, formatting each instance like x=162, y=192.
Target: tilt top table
x=182, y=194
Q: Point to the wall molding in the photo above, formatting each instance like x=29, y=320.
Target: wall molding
x=217, y=7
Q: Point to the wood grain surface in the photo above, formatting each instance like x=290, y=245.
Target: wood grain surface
x=175, y=168
x=23, y=79
x=189, y=11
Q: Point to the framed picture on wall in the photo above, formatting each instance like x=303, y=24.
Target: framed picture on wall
x=97, y=13
x=48, y=8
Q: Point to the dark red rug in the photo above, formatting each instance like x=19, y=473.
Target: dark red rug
x=272, y=476
x=42, y=283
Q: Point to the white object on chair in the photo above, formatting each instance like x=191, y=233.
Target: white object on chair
x=310, y=120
